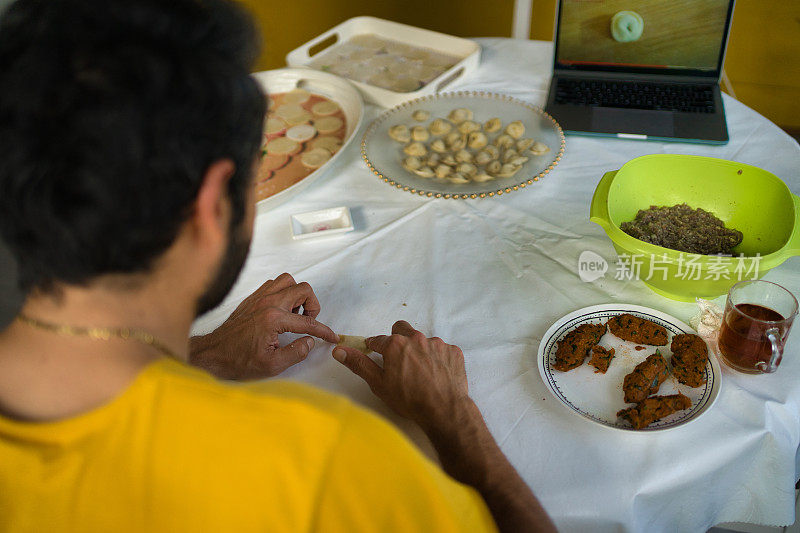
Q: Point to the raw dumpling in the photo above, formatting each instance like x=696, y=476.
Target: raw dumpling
x=458, y=143
x=493, y=151
x=463, y=156
x=415, y=148
x=440, y=127
x=448, y=159
x=524, y=144
x=420, y=133
x=539, y=148
x=458, y=178
x=468, y=126
x=355, y=342
x=516, y=129
x=420, y=115
x=439, y=146
x=504, y=141
x=424, y=172
x=400, y=133
x=442, y=171
x=492, y=125
x=508, y=155
x=483, y=157
x=507, y=171
x=477, y=139
x=459, y=115
x=412, y=163
x=467, y=169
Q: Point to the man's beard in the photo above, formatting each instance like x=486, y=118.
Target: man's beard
x=232, y=263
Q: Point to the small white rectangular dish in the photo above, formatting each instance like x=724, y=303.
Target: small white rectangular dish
x=321, y=223
x=466, y=51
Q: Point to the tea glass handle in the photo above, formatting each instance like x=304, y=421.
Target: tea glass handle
x=774, y=337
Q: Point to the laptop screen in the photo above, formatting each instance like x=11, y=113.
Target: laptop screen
x=675, y=36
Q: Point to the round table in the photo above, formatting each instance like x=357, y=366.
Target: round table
x=491, y=275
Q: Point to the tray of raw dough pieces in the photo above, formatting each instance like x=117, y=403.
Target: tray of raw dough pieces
x=463, y=145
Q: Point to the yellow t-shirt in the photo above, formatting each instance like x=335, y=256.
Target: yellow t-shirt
x=180, y=451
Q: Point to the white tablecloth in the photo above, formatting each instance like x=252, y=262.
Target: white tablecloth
x=492, y=275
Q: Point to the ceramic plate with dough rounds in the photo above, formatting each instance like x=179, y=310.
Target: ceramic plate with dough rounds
x=384, y=156
x=332, y=87
x=598, y=397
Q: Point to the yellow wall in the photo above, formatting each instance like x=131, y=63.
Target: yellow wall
x=287, y=25
x=763, y=60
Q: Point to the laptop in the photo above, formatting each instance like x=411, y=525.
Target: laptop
x=641, y=69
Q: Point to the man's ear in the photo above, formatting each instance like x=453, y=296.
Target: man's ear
x=212, y=209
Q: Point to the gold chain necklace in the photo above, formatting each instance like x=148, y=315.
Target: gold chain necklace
x=100, y=334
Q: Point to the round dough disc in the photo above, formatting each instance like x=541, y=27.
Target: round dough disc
x=328, y=142
x=315, y=158
x=325, y=108
x=302, y=118
x=274, y=126
x=282, y=146
x=274, y=161
x=296, y=96
x=287, y=111
x=301, y=133
x=329, y=124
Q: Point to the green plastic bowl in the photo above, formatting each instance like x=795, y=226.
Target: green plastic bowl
x=744, y=197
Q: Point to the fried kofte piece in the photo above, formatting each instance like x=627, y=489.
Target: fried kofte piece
x=575, y=346
x=632, y=328
x=645, y=379
x=601, y=358
x=654, y=409
x=689, y=356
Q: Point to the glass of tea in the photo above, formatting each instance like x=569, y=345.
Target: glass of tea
x=758, y=316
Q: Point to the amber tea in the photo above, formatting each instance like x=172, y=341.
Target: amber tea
x=758, y=316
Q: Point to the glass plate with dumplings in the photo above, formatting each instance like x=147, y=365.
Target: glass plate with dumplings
x=463, y=145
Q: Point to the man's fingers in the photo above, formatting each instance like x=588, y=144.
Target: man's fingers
x=401, y=327
x=359, y=364
x=289, y=355
x=272, y=286
x=286, y=321
x=300, y=295
x=379, y=343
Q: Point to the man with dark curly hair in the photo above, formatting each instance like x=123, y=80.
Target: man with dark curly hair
x=129, y=132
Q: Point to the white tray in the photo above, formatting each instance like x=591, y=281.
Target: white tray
x=337, y=89
x=468, y=51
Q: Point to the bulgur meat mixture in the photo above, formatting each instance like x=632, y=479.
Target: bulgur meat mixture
x=679, y=227
x=645, y=379
x=601, y=358
x=689, y=356
x=632, y=328
x=575, y=346
x=654, y=409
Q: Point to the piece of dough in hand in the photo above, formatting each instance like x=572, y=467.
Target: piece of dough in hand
x=355, y=342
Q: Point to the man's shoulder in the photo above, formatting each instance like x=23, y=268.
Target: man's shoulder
x=175, y=387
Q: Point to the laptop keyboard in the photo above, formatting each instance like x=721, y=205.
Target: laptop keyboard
x=637, y=95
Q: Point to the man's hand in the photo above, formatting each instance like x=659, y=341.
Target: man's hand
x=425, y=380
x=246, y=345
x=422, y=379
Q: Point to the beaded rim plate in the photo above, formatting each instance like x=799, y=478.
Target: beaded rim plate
x=597, y=397
x=383, y=155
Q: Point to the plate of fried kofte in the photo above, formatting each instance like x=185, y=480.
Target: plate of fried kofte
x=629, y=367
